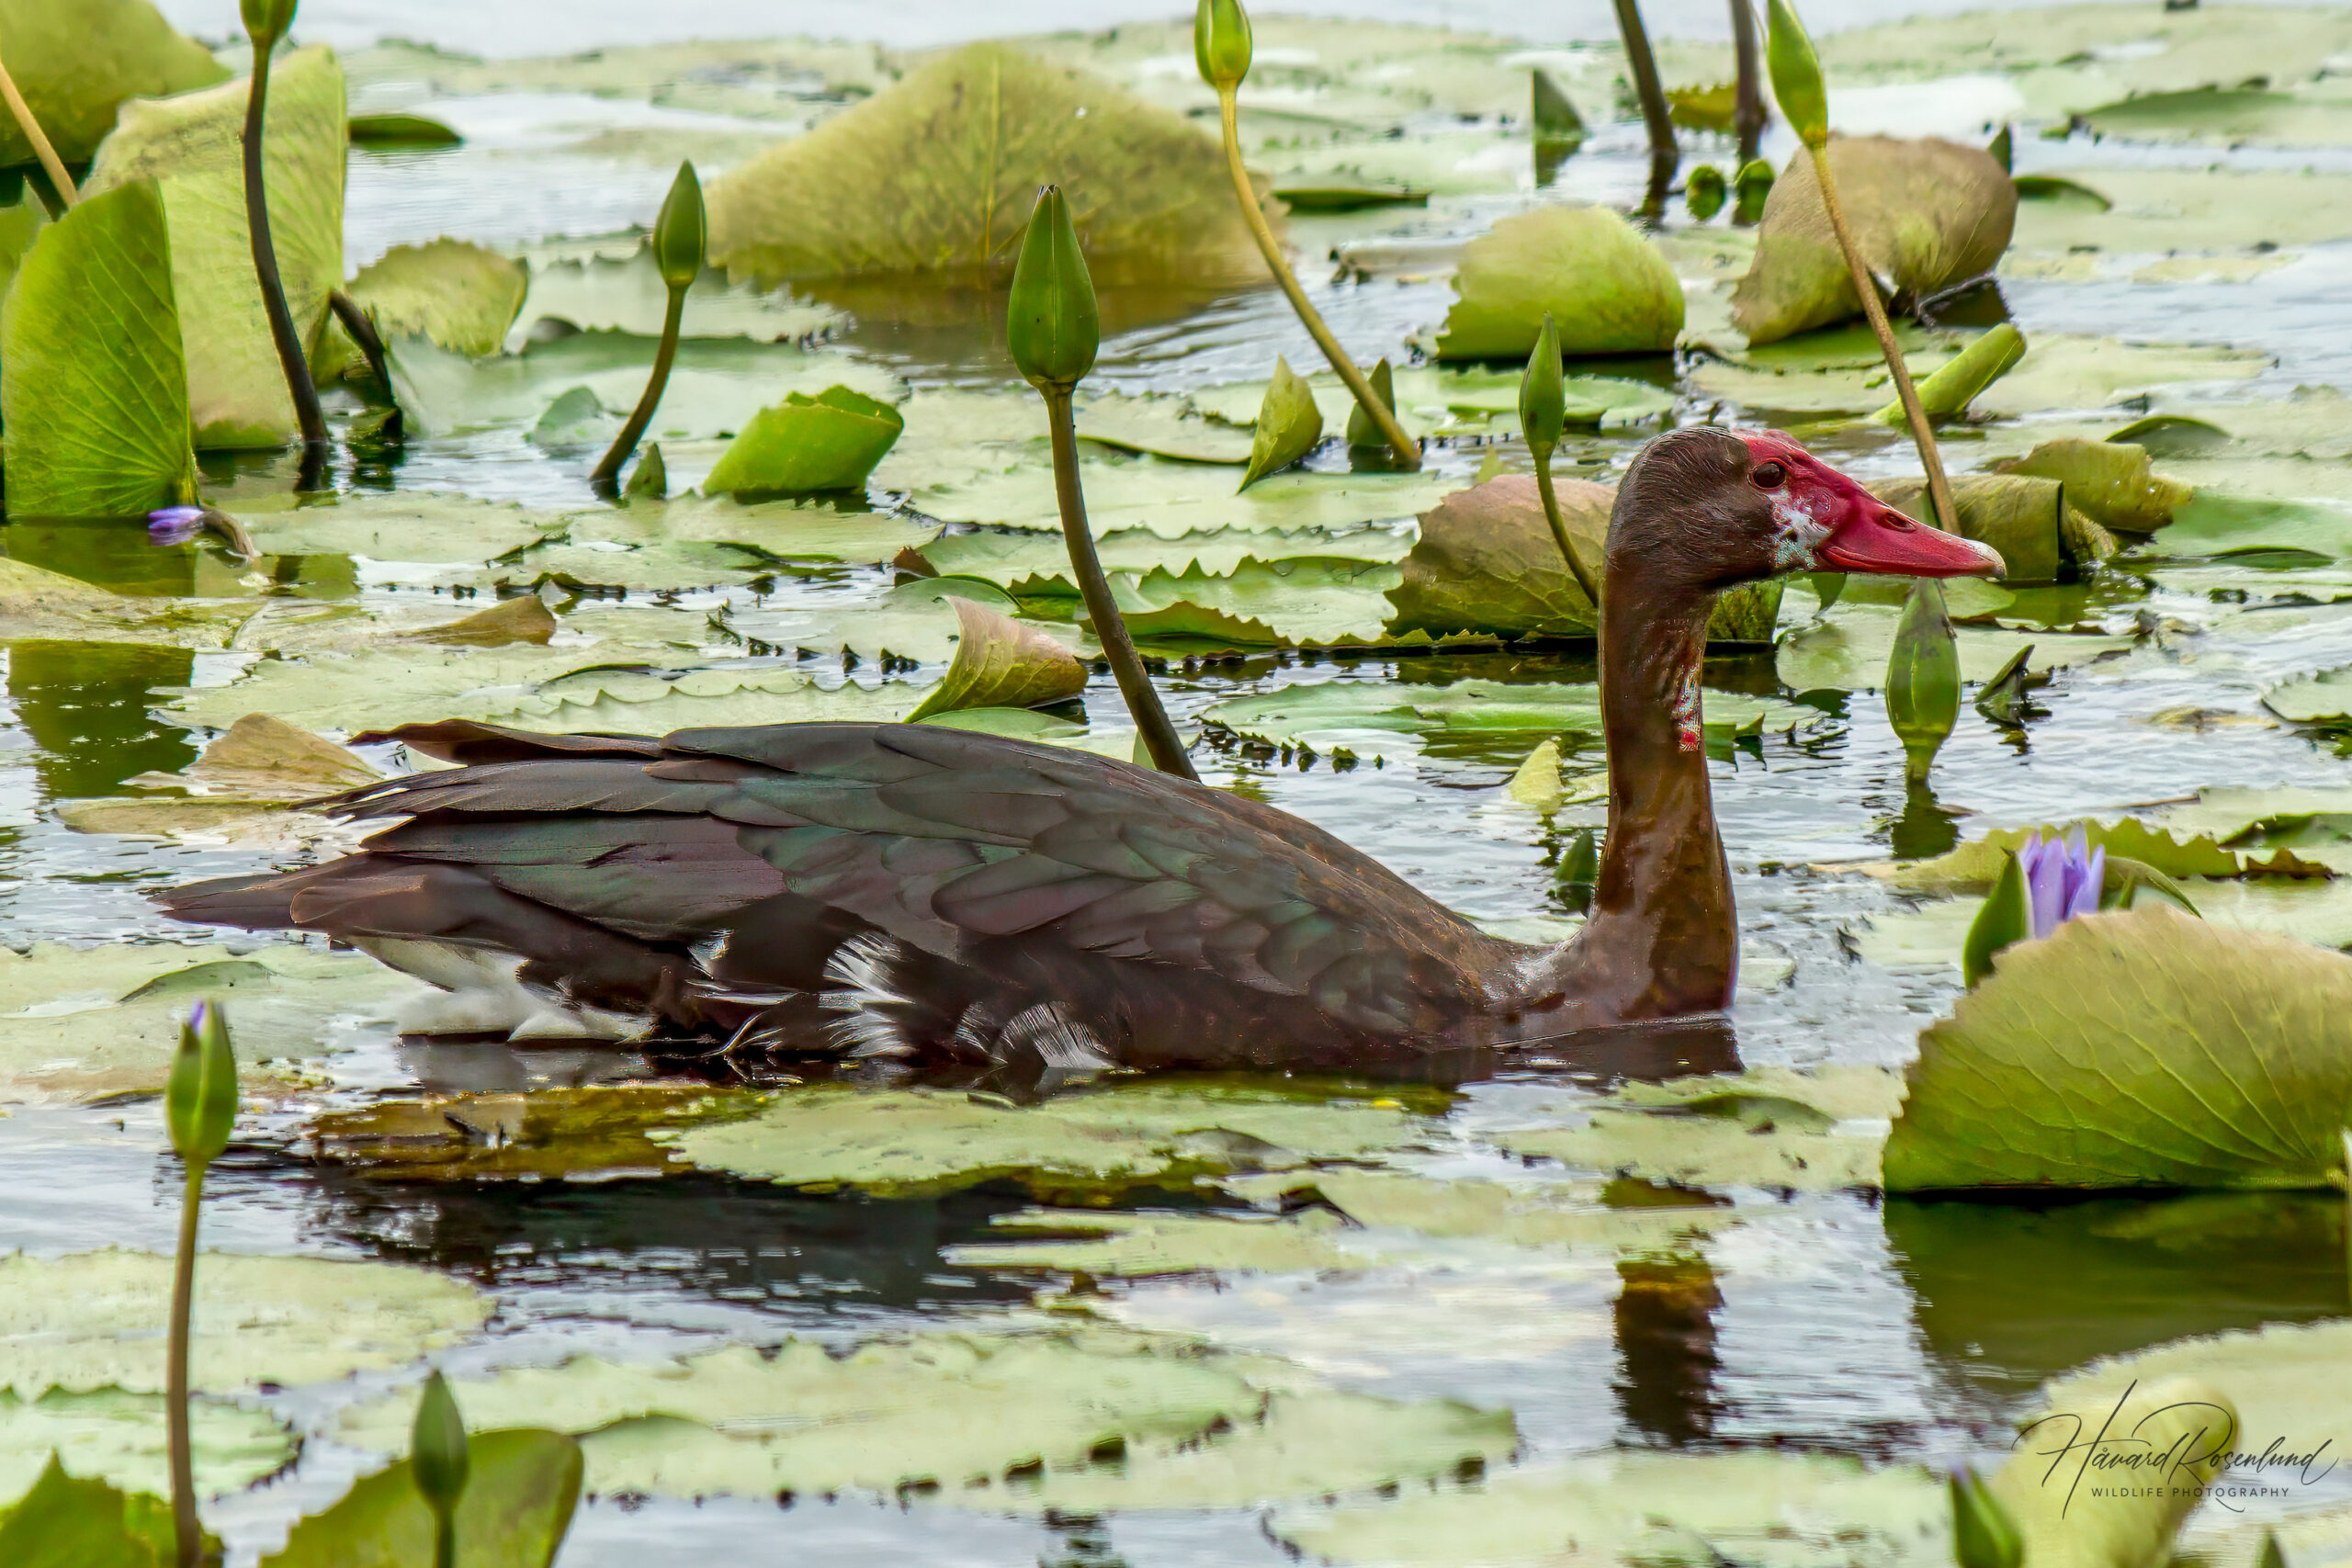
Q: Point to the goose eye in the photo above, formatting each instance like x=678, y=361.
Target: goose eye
x=1770, y=476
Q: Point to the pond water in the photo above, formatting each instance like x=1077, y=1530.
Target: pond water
x=1839, y=1323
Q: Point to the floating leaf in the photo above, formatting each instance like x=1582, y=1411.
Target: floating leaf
x=625, y=294
x=1711, y=107
x=119, y=1438
x=2022, y=517
x=1927, y=214
x=911, y=1143
x=1000, y=664
x=1608, y=288
x=1347, y=196
x=401, y=130
x=1165, y=427
x=456, y=295
x=93, y=387
x=2325, y=698
x=1485, y=561
x=190, y=144
x=596, y=1132
x=1975, y=865
x=1848, y=649
x=922, y=178
x=76, y=64
x=2137, y=1049
x=522, y=1486
x=1289, y=425
x=61, y=1522
x=803, y=445
x=92, y=1319
x=262, y=758
x=1300, y=603
x=2111, y=481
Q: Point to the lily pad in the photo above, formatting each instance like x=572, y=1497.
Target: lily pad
x=119, y=1438
x=75, y=66
x=2109, y=482
x=190, y=145
x=407, y=130
x=521, y=1488
x=1000, y=664
x=625, y=294
x=1172, y=500
x=1927, y=214
x=94, y=1320
x=1164, y=427
x=1300, y=603
x=413, y=526
x=1608, y=288
x=459, y=295
x=911, y=1143
x=2139, y=1049
x=72, y=353
x=597, y=1131
x=1036, y=566
x=2325, y=698
x=2023, y=517
x=61, y=1522
x=1485, y=561
x=803, y=445
x=1289, y=425
x=1847, y=650
x=934, y=174
x=2301, y=908
x=1972, y=867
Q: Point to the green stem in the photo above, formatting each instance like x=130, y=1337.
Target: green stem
x=445, y=1537
x=1109, y=628
x=290, y=357
x=1748, y=115
x=362, y=332
x=185, y=1526
x=608, y=472
x=1560, y=536
x=1656, y=116
x=1407, y=450
x=1922, y=435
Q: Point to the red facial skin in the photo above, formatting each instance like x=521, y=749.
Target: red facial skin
x=1831, y=524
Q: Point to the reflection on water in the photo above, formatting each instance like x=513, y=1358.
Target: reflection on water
x=86, y=705
x=1666, y=1350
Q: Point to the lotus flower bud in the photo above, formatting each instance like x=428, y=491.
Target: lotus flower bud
x=1923, y=677
x=1579, y=867
x=1542, y=404
x=1051, y=323
x=267, y=19
x=680, y=234
x=175, y=525
x=1704, y=191
x=1221, y=42
x=1751, y=185
x=201, y=1097
x=1983, y=1533
x=2271, y=1557
x=1796, y=75
x=436, y=1447
x=2007, y=917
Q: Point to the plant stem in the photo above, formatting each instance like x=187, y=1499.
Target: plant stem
x=445, y=1537
x=1922, y=436
x=363, y=333
x=1655, y=117
x=1748, y=115
x=1407, y=450
x=1109, y=628
x=605, y=479
x=290, y=357
x=34, y=134
x=1560, y=536
x=189, y=1533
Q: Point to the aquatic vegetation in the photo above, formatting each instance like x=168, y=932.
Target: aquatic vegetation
x=1605, y=285
x=1923, y=678
x=680, y=239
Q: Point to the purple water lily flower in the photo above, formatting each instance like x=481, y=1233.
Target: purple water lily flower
x=2064, y=878
x=175, y=525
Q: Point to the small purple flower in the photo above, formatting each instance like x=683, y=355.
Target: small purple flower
x=175, y=525
x=2064, y=878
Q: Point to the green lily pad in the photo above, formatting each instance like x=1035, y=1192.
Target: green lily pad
x=1485, y=561
x=596, y=1132
x=401, y=130
x=1608, y=288
x=1164, y=427
x=1344, y=195
x=2022, y=517
x=521, y=1488
x=2109, y=482
x=72, y=354
x=1846, y=650
x=459, y=295
x=94, y=1320
x=119, y=1438
x=1000, y=664
x=1036, y=566
x=2168, y=211
x=911, y=1143
x=1174, y=499
x=803, y=445
x=1771, y=1127
x=61, y=1522
x=1288, y=427
x=1927, y=214
x=77, y=65
x=2302, y=907
x=2234, y=114
x=625, y=294
x=1972, y=867
x=190, y=145
x=935, y=175
x=2325, y=698
x=1300, y=603
x=2140, y=1049
x=415, y=527
x=81, y=1024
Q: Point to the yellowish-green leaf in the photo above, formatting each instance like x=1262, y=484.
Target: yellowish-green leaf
x=1608, y=288
x=1289, y=425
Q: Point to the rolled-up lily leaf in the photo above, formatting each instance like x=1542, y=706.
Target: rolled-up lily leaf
x=2007, y=917
x=1947, y=393
x=1289, y=425
x=999, y=663
x=1983, y=1533
x=1923, y=677
x=1703, y=191
x=1750, y=188
x=804, y=444
x=1363, y=434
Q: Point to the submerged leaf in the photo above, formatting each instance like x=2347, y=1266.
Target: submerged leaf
x=999, y=663
x=191, y=145
x=1927, y=214
x=934, y=174
x=515, y=1510
x=597, y=1131
x=1608, y=288
x=1289, y=425
x=805, y=445
x=2137, y=1049
x=92, y=386
x=459, y=296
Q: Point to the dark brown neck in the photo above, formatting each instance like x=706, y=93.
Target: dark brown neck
x=1661, y=939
